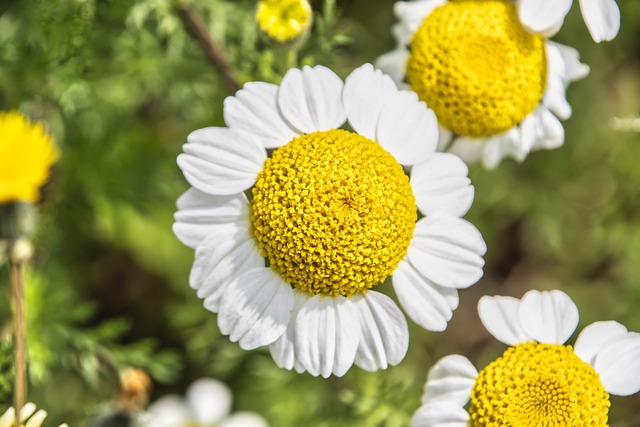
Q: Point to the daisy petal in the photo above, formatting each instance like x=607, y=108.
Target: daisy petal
x=243, y=419
x=440, y=184
x=499, y=315
x=7, y=419
x=602, y=18
x=447, y=250
x=427, y=304
x=255, y=308
x=168, y=411
x=592, y=339
x=440, y=415
x=199, y=213
x=327, y=335
x=366, y=91
x=554, y=97
x=540, y=16
x=37, y=419
x=549, y=317
x=393, y=63
x=226, y=252
x=565, y=62
x=468, y=149
x=450, y=381
x=618, y=364
x=255, y=109
x=221, y=161
x=413, y=13
x=385, y=334
x=283, y=350
x=549, y=132
x=407, y=128
x=311, y=99
x=209, y=400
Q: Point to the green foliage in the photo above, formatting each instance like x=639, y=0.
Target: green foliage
x=6, y=372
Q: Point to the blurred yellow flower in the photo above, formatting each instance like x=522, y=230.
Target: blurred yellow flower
x=26, y=155
x=284, y=20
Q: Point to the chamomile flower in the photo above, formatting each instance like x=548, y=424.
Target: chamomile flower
x=26, y=155
x=284, y=20
x=538, y=381
x=497, y=89
x=546, y=16
x=334, y=214
x=29, y=417
x=207, y=404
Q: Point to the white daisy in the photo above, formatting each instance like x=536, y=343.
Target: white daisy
x=29, y=417
x=538, y=381
x=334, y=214
x=498, y=90
x=546, y=16
x=207, y=404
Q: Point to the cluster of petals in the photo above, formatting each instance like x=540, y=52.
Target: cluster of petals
x=541, y=129
x=29, y=417
x=256, y=307
x=207, y=404
x=548, y=317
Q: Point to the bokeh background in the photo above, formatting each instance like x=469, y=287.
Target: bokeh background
x=120, y=84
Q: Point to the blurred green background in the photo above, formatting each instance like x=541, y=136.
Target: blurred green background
x=120, y=85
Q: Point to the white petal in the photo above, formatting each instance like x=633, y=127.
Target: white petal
x=499, y=315
x=226, y=252
x=256, y=307
x=199, y=213
x=283, y=350
x=27, y=410
x=440, y=184
x=440, y=415
x=540, y=16
x=244, y=419
x=565, y=62
x=549, y=317
x=209, y=400
x=549, y=132
x=450, y=381
x=37, y=419
x=327, y=335
x=447, y=250
x=394, y=64
x=311, y=99
x=468, y=149
x=168, y=411
x=427, y=304
x=593, y=338
x=554, y=97
x=444, y=138
x=366, y=91
x=508, y=144
x=385, y=334
x=618, y=364
x=402, y=33
x=407, y=128
x=413, y=13
x=255, y=109
x=7, y=419
x=221, y=161
x=602, y=18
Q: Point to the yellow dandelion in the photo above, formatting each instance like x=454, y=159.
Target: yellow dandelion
x=26, y=155
x=284, y=20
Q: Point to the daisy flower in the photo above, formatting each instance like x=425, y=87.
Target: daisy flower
x=26, y=155
x=538, y=381
x=207, y=404
x=334, y=214
x=284, y=20
x=28, y=417
x=497, y=89
x=546, y=16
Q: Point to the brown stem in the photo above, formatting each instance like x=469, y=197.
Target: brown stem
x=196, y=27
x=20, y=339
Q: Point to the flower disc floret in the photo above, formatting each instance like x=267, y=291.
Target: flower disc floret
x=475, y=65
x=284, y=20
x=539, y=385
x=333, y=212
x=26, y=155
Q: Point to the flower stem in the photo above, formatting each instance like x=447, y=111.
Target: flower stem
x=20, y=343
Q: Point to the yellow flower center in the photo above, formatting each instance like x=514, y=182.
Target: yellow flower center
x=539, y=385
x=333, y=212
x=475, y=65
x=284, y=20
x=26, y=155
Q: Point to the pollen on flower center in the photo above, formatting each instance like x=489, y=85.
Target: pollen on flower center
x=539, y=385
x=333, y=212
x=475, y=65
x=284, y=20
